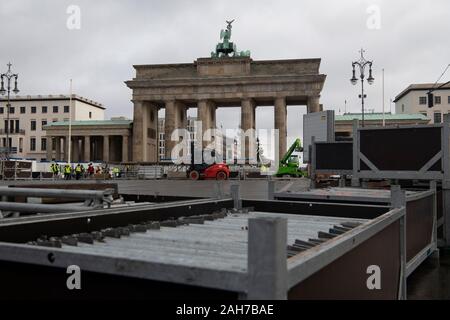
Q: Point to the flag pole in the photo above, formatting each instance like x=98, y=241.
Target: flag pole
x=70, y=125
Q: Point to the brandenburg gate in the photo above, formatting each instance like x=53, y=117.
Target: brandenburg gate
x=227, y=79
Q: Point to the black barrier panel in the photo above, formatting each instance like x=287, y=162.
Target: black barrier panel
x=334, y=156
x=401, y=149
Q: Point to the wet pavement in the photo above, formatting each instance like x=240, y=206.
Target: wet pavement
x=431, y=281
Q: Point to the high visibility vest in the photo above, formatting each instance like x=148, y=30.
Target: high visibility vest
x=78, y=169
x=68, y=170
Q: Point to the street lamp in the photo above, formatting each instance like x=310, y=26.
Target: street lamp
x=8, y=76
x=362, y=64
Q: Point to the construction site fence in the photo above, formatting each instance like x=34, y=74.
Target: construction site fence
x=22, y=170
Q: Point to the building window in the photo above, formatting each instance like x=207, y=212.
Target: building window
x=55, y=120
x=23, y=110
x=437, y=100
x=33, y=125
x=448, y=99
x=9, y=127
x=12, y=110
x=422, y=100
x=66, y=109
x=403, y=108
x=43, y=144
x=90, y=115
x=32, y=144
x=44, y=109
x=2, y=110
x=437, y=117
x=55, y=109
x=33, y=109
x=44, y=123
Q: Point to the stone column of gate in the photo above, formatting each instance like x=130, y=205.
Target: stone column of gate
x=176, y=118
x=87, y=149
x=106, y=149
x=58, y=148
x=281, y=125
x=139, y=132
x=49, y=148
x=314, y=104
x=248, y=107
x=76, y=149
x=65, y=141
x=145, y=131
x=125, y=148
x=206, y=113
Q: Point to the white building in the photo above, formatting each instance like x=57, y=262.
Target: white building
x=29, y=114
x=231, y=153
x=162, y=141
x=414, y=100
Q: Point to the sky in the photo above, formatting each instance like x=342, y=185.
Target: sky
x=406, y=38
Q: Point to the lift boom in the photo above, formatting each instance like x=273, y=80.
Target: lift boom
x=289, y=165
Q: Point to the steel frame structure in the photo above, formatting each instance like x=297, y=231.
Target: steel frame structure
x=419, y=256
x=424, y=173
x=269, y=274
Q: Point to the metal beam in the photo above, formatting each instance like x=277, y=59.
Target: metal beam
x=430, y=163
x=303, y=266
x=267, y=263
x=54, y=193
x=235, y=194
x=398, y=200
x=196, y=276
x=368, y=162
x=356, y=148
x=403, y=175
x=270, y=189
x=41, y=208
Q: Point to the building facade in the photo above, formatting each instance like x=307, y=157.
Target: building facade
x=91, y=141
x=344, y=123
x=28, y=115
x=414, y=100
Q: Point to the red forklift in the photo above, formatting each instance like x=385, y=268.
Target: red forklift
x=217, y=171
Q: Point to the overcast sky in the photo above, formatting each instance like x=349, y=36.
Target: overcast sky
x=410, y=41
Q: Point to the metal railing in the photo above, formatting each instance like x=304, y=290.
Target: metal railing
x=11, y=170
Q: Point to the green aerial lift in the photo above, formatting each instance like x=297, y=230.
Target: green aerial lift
x=290, y=164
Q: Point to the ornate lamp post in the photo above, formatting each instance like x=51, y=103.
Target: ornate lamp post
x=8, y=76
x=362, y=64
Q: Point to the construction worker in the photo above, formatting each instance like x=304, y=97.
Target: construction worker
x=90, y=170
x=54, y=168
x=67, y=172
x=116, y=172
x=78, y=171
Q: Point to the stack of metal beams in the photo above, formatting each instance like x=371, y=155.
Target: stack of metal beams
x=217, y=241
